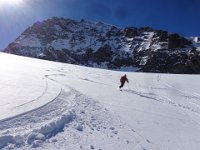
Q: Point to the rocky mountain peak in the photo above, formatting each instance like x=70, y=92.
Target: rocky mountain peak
x=103, y=45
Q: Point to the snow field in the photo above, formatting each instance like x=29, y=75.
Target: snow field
x=48, y=105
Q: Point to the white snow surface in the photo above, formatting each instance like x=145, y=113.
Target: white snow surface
x=47, y=105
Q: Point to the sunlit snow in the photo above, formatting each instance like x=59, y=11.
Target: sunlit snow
x=49, y=105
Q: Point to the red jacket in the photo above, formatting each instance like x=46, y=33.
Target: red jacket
x=124, y=79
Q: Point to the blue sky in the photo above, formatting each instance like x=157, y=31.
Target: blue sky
x=180, y=16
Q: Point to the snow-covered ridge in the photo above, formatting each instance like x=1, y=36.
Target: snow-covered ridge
x=104, y=45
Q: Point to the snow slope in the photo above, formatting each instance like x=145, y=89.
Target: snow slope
x=49, y=105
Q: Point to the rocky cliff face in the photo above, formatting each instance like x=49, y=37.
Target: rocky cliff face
x=103, y=45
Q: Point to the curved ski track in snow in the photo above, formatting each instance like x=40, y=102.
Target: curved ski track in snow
x=164, y=99
x=81, y=108
x=75, y=113
x=44, y=92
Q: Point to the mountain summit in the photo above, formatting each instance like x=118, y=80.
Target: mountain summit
x=103, y=45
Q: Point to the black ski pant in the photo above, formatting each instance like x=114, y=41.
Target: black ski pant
x=122, y=84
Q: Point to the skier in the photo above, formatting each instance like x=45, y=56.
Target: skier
x=123, y=80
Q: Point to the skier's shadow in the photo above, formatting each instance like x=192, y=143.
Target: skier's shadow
x=142, y=95
x=85, y=79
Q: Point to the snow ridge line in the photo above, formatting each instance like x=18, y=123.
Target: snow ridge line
x=38, y=136
x=50, y=127
x=9, y=118
x=45, y=90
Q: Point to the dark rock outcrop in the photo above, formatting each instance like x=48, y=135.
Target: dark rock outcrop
x=97, y=44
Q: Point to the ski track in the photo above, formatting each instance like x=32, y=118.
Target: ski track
x=185, y=94
x=85, y=79
x=45, y=90
x=161, y=99
x=75, y=113
x=164, y=99
x=153, y=95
